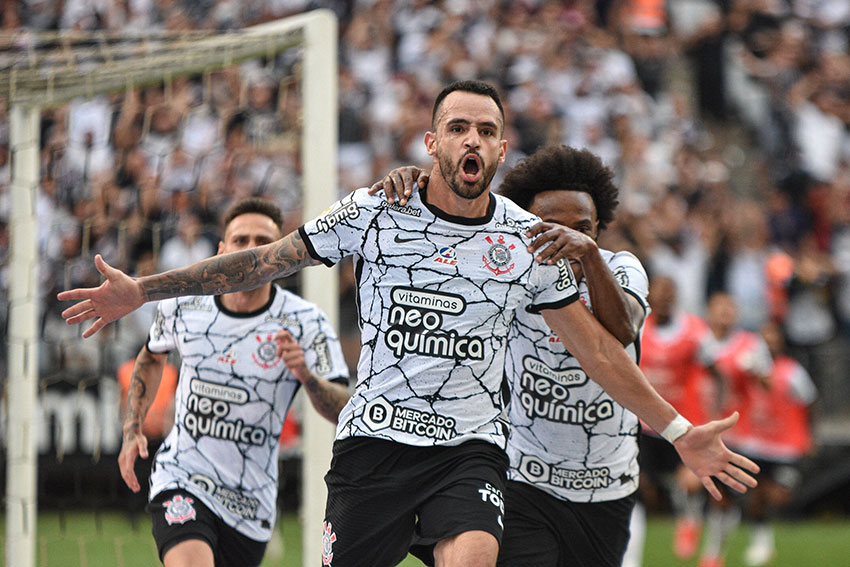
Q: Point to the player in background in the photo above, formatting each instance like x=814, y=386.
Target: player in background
x=213, y=485
x=420, y=444
x=778, y=436
x=573, y=450
x=742, y=358
x=670, y=358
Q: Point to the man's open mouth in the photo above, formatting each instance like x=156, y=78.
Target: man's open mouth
x=471, y=168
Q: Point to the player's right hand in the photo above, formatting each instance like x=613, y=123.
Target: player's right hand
x=401, y=183
x=702, y=450
x=135, y=445
x=118, y=295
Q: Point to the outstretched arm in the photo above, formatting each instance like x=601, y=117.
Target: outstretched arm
x=606, y=362
x=238, y=271
x=327, y=397
x=147, y=374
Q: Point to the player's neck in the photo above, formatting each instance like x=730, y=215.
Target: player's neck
x=246, y=301
x=440, y=195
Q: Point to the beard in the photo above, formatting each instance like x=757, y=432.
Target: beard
x=451, y=173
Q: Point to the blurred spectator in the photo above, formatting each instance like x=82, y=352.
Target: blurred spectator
x=699, y=27
x=261, y=106
x=677, y=247
x=746, y=267
x=187, y=246
x=811, y=326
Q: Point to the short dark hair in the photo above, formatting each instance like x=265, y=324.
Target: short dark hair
x=470, y=86
x=253, y=205
x=563, y=168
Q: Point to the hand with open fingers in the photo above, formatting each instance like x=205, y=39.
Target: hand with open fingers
x=400, y=183
x=702, y=450
x=118, y=295
x=133, y=446
x=553, y=242
x=292, y=355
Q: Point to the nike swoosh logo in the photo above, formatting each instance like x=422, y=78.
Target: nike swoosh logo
x=400, y=240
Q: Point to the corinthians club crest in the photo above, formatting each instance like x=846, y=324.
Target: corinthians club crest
x=266, y=354
x=179, y=510
x=328, y=539
x=498, y=256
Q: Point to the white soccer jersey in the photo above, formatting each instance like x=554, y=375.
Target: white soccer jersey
x=568, y=437
x=436, y=297
x=232, y=398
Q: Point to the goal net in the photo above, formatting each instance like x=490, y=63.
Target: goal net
x=122, y=144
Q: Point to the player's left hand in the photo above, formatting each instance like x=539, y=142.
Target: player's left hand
x=400, y=183
x=702, y=450
x=553, y=242
x=134, y=445
x=292, y=355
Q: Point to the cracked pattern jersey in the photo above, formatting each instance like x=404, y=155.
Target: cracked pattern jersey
x=436, y=297
x=568, y=437
x=232, y=398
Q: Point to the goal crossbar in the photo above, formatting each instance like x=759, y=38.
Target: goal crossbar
x=67, y=67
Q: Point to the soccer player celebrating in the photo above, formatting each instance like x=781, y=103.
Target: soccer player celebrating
x=213, y=487
x=419, y=450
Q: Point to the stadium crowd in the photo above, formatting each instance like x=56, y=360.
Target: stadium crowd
x=725, y=121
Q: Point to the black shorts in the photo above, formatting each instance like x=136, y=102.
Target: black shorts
x=179, y=516
x=387, y=498
x=658, y=459
x=544, y=531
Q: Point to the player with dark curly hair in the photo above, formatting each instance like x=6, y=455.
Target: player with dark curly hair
x=573, y=450
x=561, y=168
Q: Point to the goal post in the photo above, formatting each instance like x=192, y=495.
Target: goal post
x=34, y=77
x=22, y=379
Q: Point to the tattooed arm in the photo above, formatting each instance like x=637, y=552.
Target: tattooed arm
x=327, y=397
x=238, y=271
x=147, y=374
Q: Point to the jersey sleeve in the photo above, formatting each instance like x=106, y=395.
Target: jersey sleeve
x=161, y=337
x=338, y=232
x=555, y=286
x=631, y=276
x=322, y=349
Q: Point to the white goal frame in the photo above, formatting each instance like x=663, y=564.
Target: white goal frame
x=318, y=31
